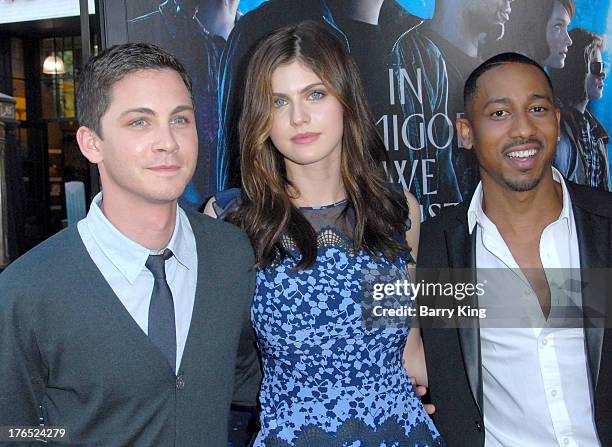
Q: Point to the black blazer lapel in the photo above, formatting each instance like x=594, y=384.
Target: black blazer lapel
x=593, y=233
x=461, y=249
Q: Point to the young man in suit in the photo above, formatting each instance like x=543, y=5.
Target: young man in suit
x=125, y=328
x=523, y=218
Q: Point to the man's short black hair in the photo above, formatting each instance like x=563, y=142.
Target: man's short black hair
x=471, y=85
x=113, y=64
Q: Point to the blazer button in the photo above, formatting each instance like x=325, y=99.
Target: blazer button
x=478, y=426
x=180, y=383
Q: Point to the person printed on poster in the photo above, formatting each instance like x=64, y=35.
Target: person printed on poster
x=539, y=30
x=582, y=152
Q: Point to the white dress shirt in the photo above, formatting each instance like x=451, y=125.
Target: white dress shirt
x=535, y=379
x=122, y=263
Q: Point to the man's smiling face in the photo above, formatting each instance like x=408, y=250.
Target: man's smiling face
x=513, y=125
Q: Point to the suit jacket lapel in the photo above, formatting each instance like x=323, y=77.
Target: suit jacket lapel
x=461, y=247
x=593, y=233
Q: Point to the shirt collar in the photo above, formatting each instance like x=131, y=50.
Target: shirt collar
x=476, y=215
x=128, y=256
x=183, y=246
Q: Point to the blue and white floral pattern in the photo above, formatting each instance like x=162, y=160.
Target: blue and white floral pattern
x=329, y=380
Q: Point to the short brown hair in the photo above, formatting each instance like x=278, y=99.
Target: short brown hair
x=110, y=66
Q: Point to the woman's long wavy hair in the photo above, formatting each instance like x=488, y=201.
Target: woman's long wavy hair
x=267, y=211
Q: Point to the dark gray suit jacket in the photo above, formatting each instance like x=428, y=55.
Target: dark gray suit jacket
x=453, y=355
x=70, y=352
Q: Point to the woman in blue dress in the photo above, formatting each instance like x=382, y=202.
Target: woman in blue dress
x=321, y=217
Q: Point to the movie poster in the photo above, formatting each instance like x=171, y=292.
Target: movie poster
x=414, y=56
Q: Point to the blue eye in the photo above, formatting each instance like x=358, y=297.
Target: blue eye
x=138, y=123
x=316, y=95
x=180, y=120
x=279, y=102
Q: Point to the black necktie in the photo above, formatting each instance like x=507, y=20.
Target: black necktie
x=162, y=328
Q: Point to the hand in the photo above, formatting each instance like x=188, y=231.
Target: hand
x=420, y=392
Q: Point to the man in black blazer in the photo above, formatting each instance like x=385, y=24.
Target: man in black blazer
x=520, y=386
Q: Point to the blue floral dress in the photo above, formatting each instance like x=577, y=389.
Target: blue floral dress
x=328, y=380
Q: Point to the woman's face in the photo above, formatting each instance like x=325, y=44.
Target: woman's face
x=594, y=82
x=307, y=120
x=557, y=38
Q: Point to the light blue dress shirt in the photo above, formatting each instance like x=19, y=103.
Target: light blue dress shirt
x=122, y=263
